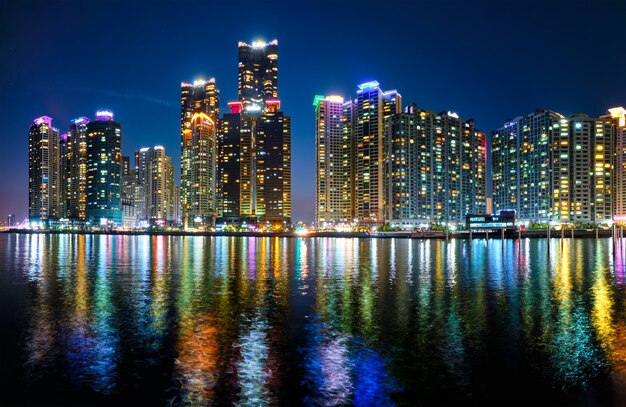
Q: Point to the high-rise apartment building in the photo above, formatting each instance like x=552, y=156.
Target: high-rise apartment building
x=619, y=116
x=74, y=170
x=549, y=167
x=104, y=171
x=333, y=205
x=258, y=73
x=44, y=181
x=160, y=191
x=434, y=168
x=372, y=107
x=133, y=199
x=199, y=124
x=255, y=144
x=255, y=165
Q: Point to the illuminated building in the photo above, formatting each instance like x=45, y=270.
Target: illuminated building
x=434, y=168
x=619, y=116
x=333, y=169
x=11, y=220
x=199, y=123
x=133, y=199
x=230, y=161
x=550, y=167
x=125, y=164
x=104, y=171
x=74, y=170
x=273, y=166
x=521, y=154
x=160, y=188
x=255, y=165
x=255, y=145
x=44, y=183
x=371, y=107
x=258, y=72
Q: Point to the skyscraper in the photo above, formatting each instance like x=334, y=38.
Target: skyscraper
x=255, y=144
x=333, y=158
x=199, y=122
x=160, y=191
x=550, y=167
x=255, y=165
x=273, y=165
x=434, y=168
x=371, y=107
x=619, y=116
x=521, y=163
x=74, y=169
x=104, y=171
x=44, y=183
x=258, y=72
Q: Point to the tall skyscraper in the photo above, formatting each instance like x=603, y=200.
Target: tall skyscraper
x=74, y=170
x=255, y=144
x=372, y=107
x=44, y=181
x=199, y=123
x=434, y=168
x=273, y=165
x=258, y=72
x=333, y=159
x=160, y=192
x=234, y=163
x=255, y=165
x=550, y=167
x=521, y=155
x=104, y=170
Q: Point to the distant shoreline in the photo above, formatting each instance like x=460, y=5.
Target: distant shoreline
x=533, y=234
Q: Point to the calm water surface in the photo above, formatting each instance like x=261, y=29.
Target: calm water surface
x=155, y=320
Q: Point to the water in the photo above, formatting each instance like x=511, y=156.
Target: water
x=158, y=320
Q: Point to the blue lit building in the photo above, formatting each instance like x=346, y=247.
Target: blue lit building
x=104, y=171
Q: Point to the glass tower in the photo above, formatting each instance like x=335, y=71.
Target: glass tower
x=44, y=181
x=104, y=171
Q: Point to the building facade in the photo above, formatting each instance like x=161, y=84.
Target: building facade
x=372, y=107
x=44, y=180
x=619, y=116
x=74, y=170
x=257, y=73
x=199, y=124
x=104, y=171
x=160, y=191
x=434, y=168
x=333, y=158
x=548, y=167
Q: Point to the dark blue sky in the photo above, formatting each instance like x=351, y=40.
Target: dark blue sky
x=490, y=60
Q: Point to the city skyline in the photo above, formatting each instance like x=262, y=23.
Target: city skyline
x=65, y=97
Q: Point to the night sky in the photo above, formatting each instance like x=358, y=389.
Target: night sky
x=491, y=60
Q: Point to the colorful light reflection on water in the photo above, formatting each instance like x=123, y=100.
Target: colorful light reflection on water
x=320, y=322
